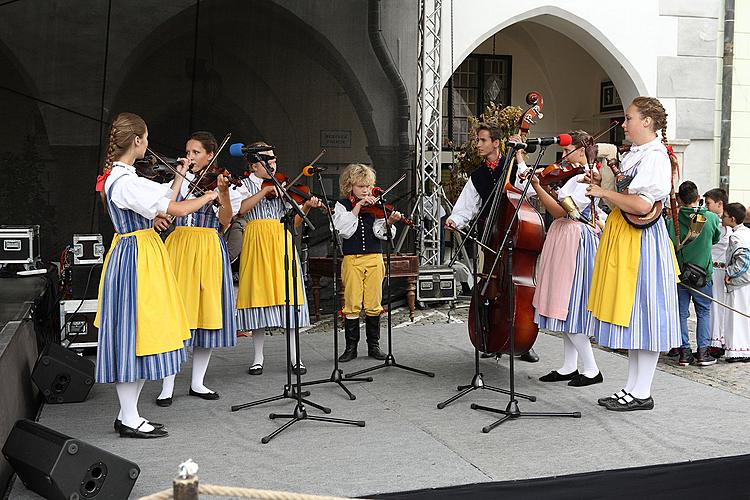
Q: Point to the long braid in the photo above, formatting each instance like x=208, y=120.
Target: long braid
x=110, y=155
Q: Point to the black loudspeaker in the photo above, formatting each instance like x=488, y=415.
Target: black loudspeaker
x=59, y=467
x=62, y=375
x=85, y=281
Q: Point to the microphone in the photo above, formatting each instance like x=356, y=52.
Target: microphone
x=238, y=149
x=562, y=140
x=310, y=170
x=529, y=148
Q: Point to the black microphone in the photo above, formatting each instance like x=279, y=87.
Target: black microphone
x=240, y=150
x=562, y=140
x=310, y=170
x=529, y=148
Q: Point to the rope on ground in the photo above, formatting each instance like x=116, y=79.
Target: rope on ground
x=225, y=491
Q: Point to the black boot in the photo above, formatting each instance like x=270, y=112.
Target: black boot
x=351, y=334
x=372, y=329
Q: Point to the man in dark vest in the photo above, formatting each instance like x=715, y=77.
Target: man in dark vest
x=479, y=187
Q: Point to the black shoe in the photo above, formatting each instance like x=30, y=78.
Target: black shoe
x=349, y=353
x=704, y=358
x=716, y=352
x=686, y=356
x=485, y=355
x=299, y=367
x=118, y=423
x=555, y=376
x=613, y=397
x=129, y=432
x=255, y=369
x=351, y=335
x=630, y=403
x=529, y=357
x=736, y=360
x=372, y=332
x=582, y=380
x=164, y=402
x=211, y=396
x=674, y=352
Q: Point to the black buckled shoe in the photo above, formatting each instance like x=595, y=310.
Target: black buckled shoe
x=164, y=402
x=630, y=403
x=299, y=367
x=255, y=369
x=555, y=376
x=613, y=397
x=211, y=396
x=118, y=423
x=529, y=357
x=582, y=380
x=129, y=432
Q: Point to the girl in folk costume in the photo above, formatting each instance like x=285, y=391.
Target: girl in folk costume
x=564, y=274
x=261, y=297
x=716, y=201
x=736, y=326
x=362, y=269
x=201, y=265
x=141, y=318
x=633, y=295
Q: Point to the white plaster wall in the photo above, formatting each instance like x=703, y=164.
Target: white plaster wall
x=739, y=153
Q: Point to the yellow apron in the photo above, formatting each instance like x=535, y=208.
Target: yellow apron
x=262, y=266
x=161, y=321
x=195, y=255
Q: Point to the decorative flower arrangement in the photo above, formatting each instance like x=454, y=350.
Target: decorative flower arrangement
x=467, y=157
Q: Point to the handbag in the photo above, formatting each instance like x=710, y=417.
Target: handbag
x=693, y=276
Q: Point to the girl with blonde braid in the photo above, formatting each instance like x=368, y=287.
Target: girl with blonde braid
x=141, y=318
x=633, y=295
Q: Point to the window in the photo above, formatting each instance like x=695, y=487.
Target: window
x=477, y=81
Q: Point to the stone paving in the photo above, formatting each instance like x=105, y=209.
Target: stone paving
x=731, y=377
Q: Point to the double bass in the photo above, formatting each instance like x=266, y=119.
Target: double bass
x=505, y=290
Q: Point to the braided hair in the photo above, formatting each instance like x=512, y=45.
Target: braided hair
x=650, y=107
x=124, y=129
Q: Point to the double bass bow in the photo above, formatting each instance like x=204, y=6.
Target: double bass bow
x=505, y=286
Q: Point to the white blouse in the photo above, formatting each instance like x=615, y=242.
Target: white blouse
x=653, y=182
x=141, y=195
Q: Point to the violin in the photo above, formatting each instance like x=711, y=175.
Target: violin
x=557, y=174
x=150, y=168
x=300, y=193
x=378, y=212
x=209, y=181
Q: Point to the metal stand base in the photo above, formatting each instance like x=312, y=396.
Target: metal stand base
x=389, y=361
x=289, y=393
x=512, y=412
x=337, y=378
x=477, y=382
x=301, y=414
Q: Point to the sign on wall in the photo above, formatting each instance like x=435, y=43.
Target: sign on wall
x=335, y=138
x=609, y=99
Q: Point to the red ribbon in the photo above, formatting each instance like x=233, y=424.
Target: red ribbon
x=100, y=180
x=492, y=165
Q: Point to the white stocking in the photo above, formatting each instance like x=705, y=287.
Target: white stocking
x=632, y=370
x=646, y=367
x=586, y=354
x=167, y=387
x=570, y=356
x=259, y=336
x=127, y=393
x=201, y=357
x=292, y=348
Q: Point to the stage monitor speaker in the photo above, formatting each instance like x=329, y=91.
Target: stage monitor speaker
x=59, y=467
x=62, y=375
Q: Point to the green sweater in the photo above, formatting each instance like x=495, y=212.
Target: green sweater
x=698, y=251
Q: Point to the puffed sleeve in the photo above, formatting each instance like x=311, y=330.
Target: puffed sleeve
x=653, y=182
x=236, y=196
x=467, y=206
x=344, y=221
x=141, y=195
x=378, y=228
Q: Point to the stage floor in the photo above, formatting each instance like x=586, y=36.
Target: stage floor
x=407, y=443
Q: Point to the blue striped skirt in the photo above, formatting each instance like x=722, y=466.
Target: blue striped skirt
x=116, y=360
x=655, y=320
x=579, y=317
x=227, y=335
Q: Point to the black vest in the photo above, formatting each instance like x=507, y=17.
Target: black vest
x=484, y=180
x=363, y=240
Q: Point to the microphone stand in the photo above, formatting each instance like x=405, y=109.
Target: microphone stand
x=300, y=413
x=337, y=374
x=389, y=359
x=477, y=381
x=512, y=412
